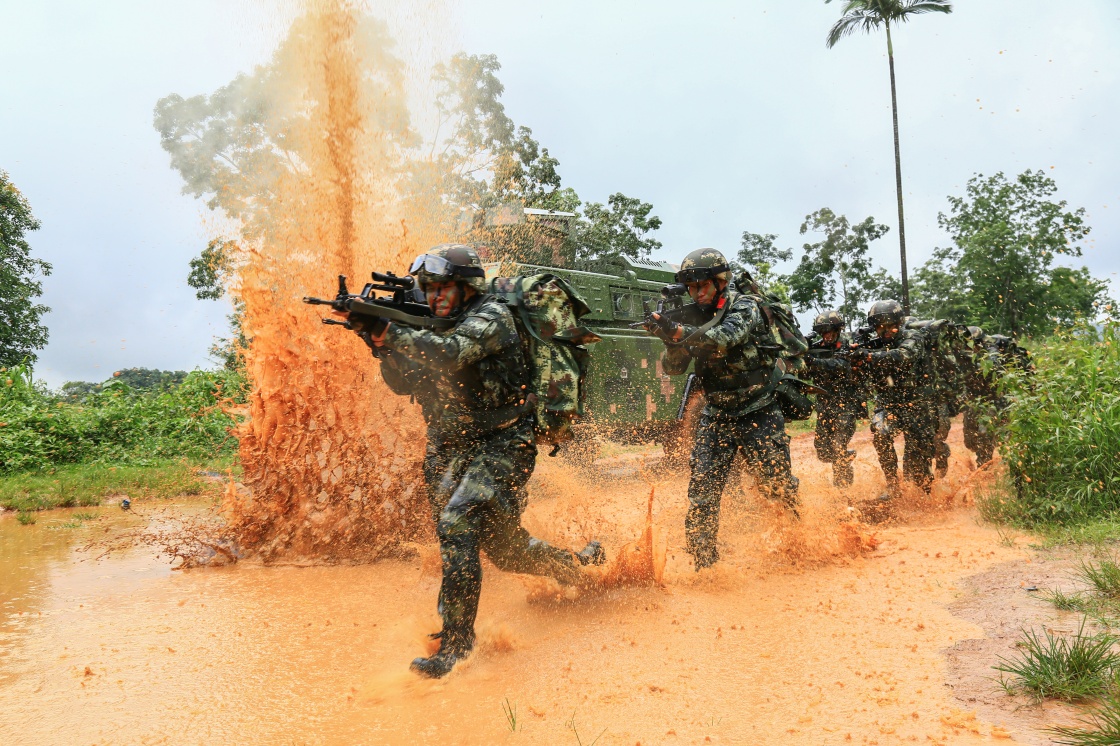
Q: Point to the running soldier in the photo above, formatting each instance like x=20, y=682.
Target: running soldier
x=730, y=340
x=844, y=401
x=941, y=342
x=471, y=382
x=901, y=374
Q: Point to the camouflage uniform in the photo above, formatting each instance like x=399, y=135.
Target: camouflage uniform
x=984, y=403
x=738, y=380
x=840, y=409
x=902, y=377
x=471, y=382
x=948, y=385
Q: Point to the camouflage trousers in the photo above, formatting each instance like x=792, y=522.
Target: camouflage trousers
x=980, y=429
x=941, y=438
x=835, y=428
x=477, y=493
x=762, y=438
x=918, y=422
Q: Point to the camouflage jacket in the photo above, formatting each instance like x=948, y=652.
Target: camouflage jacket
x=901, y=371
x=470, y=379
x=737, y=377
x=830, y=369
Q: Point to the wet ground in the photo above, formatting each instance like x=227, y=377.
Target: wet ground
x=823, y=632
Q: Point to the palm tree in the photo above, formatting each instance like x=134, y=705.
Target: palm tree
x=867, y=15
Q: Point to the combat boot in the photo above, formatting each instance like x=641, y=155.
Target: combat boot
x=592, y=554
x=452, y=649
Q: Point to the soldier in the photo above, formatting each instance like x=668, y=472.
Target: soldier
x=729, y=338
x=948, y=384
x=845, y=400
x=900, y=372
x=472, y=382
x=981, y=369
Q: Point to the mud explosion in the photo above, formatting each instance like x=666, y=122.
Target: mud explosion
x=330, y=456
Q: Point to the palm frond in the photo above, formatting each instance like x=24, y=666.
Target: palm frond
x=851, y=22
x=907, y=8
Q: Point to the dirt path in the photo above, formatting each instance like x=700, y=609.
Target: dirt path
x=800, y=636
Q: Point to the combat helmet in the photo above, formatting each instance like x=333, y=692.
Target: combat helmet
x=885, y=313
x=704, y=264
x=449, y=262
x=976, y=334
x=829, y=321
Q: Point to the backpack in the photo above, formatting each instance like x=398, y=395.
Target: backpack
x=787, y=336
x=547, y=311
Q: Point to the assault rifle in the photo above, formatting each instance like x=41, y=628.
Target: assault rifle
x=402, y=304
x=677, y=311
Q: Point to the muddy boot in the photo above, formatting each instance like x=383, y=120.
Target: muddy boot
x=705, y=558
x=452, y=649
x=879, y=508
x=842, y=472
x=592, y=554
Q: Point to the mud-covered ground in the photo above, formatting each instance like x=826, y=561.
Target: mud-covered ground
x=821, y=632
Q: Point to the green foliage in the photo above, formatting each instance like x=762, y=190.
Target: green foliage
x=26, y=519
x=869, y=15
x=211, y=270
x=1101, y=728
x=1000, y=274
x=140, y=379
x=84, y=485
x=619, y=229
x=21, y=330
x=1062, y=438
x=1069, y=668
x=117, y=424
x=760, y=255
x=1103, y=576
x=836, y=272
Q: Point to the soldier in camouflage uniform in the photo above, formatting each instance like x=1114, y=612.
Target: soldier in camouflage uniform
x=981, y=369
x=844, y=401
x=472, y=382
x=731, y=342
x=901, y=374
x=948, y=384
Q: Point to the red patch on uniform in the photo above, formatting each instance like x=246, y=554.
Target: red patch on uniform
x=722, y=301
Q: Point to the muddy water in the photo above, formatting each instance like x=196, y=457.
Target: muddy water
x=791, y=639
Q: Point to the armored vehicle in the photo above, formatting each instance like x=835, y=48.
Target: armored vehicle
x=630, y=398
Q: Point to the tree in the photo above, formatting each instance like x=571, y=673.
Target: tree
x=759, y=254
x=21, y=329
x=1007, y=235
x=835, y=273
x=867, y=15
x=619, y=229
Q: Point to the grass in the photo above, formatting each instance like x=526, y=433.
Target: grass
x=571, y=724
x=510, y=712
x=25, y=519
x=83, y=485
x=1070, y=668
x=1101, y=728
x=1104, y=576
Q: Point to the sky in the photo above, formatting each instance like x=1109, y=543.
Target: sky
x=726, y=116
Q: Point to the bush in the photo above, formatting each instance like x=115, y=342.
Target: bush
x=115, y=424
x=1062, y=443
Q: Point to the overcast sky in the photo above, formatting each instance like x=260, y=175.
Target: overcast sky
x=727, y=116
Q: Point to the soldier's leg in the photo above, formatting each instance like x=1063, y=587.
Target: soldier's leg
x=883, y=427
x=762, y=436
x=944, y=422
x=507, y=465
x=842, y=472
x=824, y=439
x=919, y=429
x=710, y=463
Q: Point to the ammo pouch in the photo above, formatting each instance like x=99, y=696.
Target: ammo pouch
x=793, y=402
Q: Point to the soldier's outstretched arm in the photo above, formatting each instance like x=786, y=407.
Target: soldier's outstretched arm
x=472, y=340
x=742, y=322
x=908, y=351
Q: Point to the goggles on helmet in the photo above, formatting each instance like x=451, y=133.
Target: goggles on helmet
x=699, y=274
x=438, y=266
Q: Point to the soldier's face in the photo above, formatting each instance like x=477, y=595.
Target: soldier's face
x=443, y=297
x=887, y=331
x=704, y=292
x=830, y=336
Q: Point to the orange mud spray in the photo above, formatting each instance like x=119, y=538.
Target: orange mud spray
x=331, y=457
